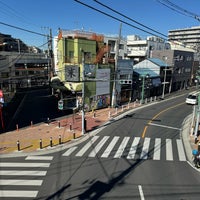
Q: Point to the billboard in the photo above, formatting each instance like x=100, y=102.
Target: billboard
x=103, y=81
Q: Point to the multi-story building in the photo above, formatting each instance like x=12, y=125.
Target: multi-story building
x=180, y=64
x=189, y=37
x=117, y=48
x=20, y=68
x=79, y=66
x=139, y=49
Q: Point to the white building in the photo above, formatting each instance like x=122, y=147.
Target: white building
x=112, y=42
x=139, y=49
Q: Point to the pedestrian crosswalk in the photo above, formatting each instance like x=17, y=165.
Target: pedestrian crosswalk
x=28, y=173
x=130, y=148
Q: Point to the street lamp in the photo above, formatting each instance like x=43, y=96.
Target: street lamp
x=143, y=83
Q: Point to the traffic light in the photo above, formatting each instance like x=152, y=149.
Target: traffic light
x=125, y=82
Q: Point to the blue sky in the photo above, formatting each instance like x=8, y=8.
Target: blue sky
x=40, y=15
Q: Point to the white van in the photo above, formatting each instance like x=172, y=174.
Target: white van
x=192, y=99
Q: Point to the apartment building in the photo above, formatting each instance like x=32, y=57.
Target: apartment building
x=189, y=37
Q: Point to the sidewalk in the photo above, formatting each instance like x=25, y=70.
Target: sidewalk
x=57, y=132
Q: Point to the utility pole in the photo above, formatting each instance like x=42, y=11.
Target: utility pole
x=83, y=91
x=165, y=74
x=114, y=94
x=51, y=68
x=50, y=53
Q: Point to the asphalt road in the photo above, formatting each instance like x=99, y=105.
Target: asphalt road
x=137, y=157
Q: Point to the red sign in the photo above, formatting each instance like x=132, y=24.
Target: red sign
x=1, y=94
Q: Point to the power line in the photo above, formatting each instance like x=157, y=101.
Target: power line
x=120, y=20
x=178, y=9
x=22, y=29
x=129, y=18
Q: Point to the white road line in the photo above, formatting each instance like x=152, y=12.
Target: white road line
x=110, y=147
x=18, y=193
x=98, y=146
x=141, y=192
x=20, y=182
x=164, y=126
x=181, y=152
x=70, y=151
x=16, y=164
x=145, y=149
x=39, y=158
x=87, y=146
x=157, y=147
x=133, y=148
x=122, y=146
x=22, y=173
x=169, y=153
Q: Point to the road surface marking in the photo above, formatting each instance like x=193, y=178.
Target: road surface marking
x=155, y=116
x=133, y=148
x=70, y=151
x=15, y=164
x=141, y=192
x=22, y=173
x=145, y=149
x=21, y=182
x=98, y=146
x=110, y=147
x=39, y=158
x=164, y=126
x=181, y=152
x=121, y=147
x=18, y=193
x=157, y=146
x=87, y=146
x=169, y=153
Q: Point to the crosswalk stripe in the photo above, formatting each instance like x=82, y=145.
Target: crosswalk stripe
x=157, y=146
x=20, y=182
x=18, y=193
x=156, y=155
x=122, y=146
x=17, y=164
x=39, y=158
x=22, y=173
x=98, y=146
x=70, y=151
x=181, y=152
x=133, y=148
x=145, y=149
x=87, y=146
x=110, y=147
x=169, y=153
